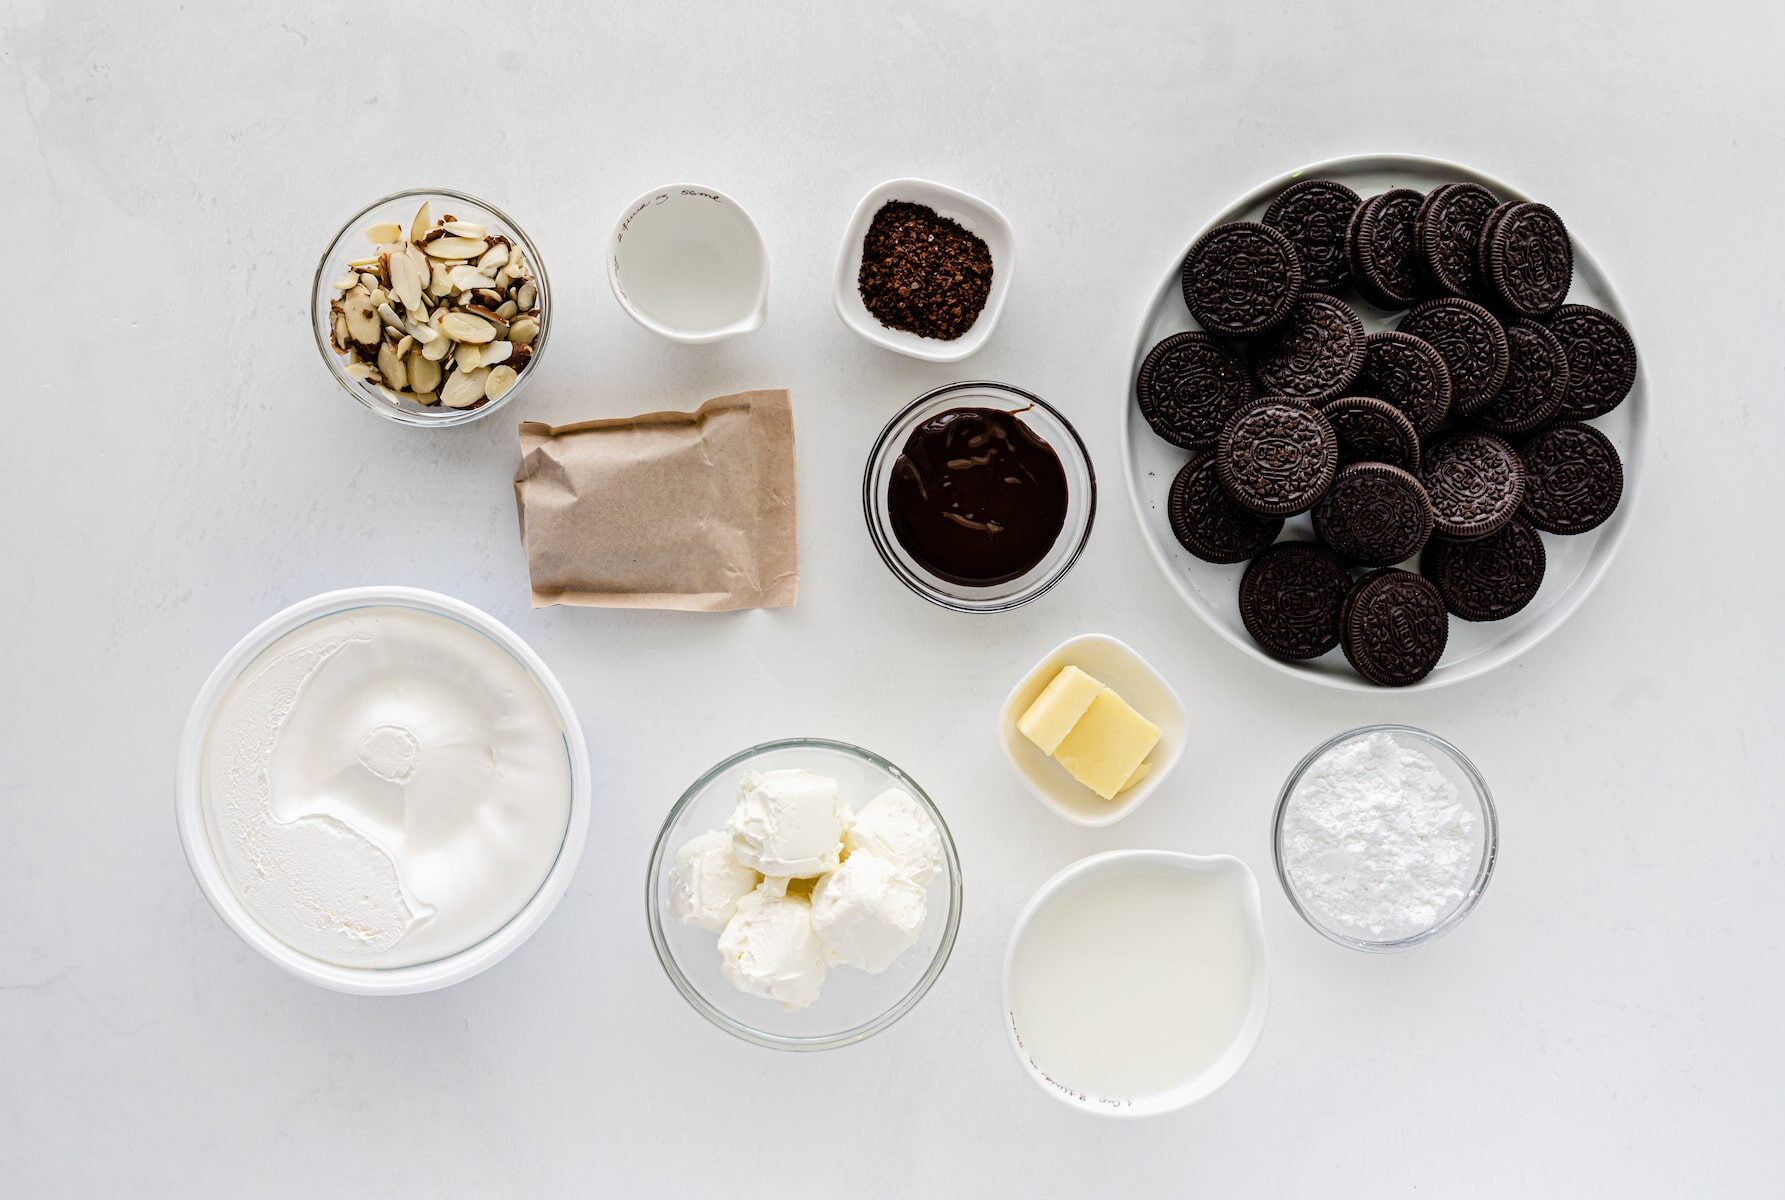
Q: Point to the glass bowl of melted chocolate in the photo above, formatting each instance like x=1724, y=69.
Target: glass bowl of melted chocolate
x=979, y=496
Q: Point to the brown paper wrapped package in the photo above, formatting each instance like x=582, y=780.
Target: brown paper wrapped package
x=667, y=510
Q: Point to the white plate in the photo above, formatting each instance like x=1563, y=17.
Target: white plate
x=1115, y=664
x=1575, y=563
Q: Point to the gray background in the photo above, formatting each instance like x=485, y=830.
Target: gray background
x=178, y=465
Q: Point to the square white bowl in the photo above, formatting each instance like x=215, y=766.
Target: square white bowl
x=973, y=214
x=1117, y=664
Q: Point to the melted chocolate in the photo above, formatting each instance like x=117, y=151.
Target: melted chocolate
x=976, y=497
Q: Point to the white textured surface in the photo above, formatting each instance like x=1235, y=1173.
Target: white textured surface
x=178, y=465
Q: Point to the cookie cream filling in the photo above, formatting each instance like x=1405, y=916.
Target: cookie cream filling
x=384, y=787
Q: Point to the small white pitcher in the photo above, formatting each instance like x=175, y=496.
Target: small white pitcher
x=687, y=262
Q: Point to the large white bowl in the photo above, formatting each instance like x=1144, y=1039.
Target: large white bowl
x=376, y=981
x=1575, y=564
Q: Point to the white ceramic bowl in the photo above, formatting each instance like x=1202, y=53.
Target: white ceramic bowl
x=376, y=981
x=1244, y=1038
x=973, y=214
x=1119, y=665
x=687, y=262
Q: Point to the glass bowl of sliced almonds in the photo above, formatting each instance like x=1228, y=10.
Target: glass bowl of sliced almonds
x=431, y=307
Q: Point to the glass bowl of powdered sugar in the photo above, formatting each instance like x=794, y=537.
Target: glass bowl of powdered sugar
x=1385, y=837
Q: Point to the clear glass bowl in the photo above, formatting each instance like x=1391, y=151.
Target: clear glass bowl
x=1054, y=429
x=855, y=1005
x=350, y=243
x=1472, y=790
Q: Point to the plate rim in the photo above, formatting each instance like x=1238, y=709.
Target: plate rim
x=1635, y=457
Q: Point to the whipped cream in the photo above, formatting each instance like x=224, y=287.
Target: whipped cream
x=769, y=948
x=788, y=823
x=706, y=882
x=384, y=787
x=894, y=826
x=868, y=912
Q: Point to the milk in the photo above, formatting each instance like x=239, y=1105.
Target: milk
x=1138, y=975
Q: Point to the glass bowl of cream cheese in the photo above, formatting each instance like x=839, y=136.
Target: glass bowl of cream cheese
x=383, y=790
x=804, y=894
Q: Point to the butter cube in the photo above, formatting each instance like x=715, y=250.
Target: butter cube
x=1059, y=707
x=1107, y=745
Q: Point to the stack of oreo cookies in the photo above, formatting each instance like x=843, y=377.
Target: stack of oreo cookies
x=1450, y=440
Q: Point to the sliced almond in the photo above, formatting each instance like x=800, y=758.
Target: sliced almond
x=469, y=229
x=419, y=226
x=384, y=233
x=497, y=352
x=379, y=296
x=493, y=260
x=463, y=389
x=369, y=280
x=390, y=395
x=424, y=373
x=516, y=260
x=421, y=333
x=357, y=370
x=507, y=310
x=362, y=318
x=426, y=398
x=340, y=334
x=437, y=349
x=439, y=281
x=468, y=357
x=523, y=331
x=405, y=344
x=526, y=294
x=360, y=264
x=463, y=327
x=390, y=365
x=405, y=281
x=497, y=382
x=346, y=281
x=466, y=279
x=455, y=247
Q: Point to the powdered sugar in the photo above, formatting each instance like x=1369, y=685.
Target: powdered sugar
x=1377, y=842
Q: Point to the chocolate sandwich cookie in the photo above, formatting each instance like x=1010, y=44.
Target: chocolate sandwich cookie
x=1573, y=478
x=1394, y=627
x=1476, y=483
x=1410, y=374
x=1277, y=456
x=1487, y=237
x=1315, y=215
x=1372, y=430
x=1490, y=578
x=1290, y=598
x=1530, y=260
x=1207, y=522
x=1315, y=354
x=1536, y=381
x=1374, y=515
x=1380, y=251
x=1447, y=233
x=1601, y=360
x=1473, y=346
x=1241, y=279
x=1189, y=385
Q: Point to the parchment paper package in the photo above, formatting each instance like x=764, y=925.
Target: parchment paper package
x=667, y=510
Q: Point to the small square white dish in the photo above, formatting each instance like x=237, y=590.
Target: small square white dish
x=974, y=215
x=1118, y=665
